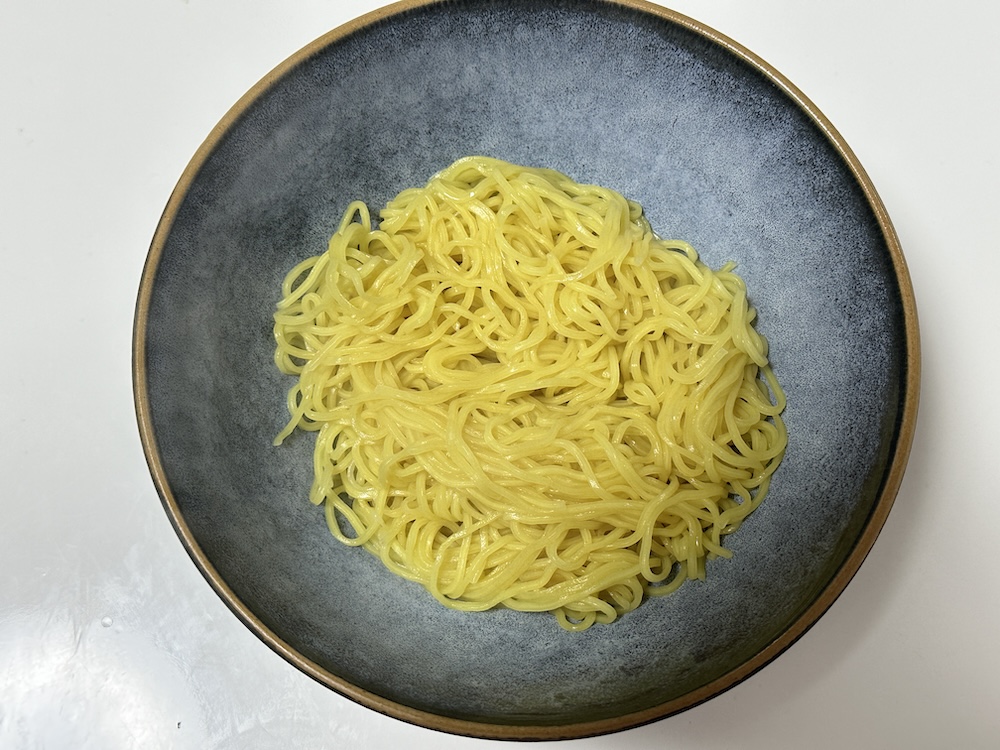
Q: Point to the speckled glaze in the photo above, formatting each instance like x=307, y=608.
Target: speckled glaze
x=721, y=151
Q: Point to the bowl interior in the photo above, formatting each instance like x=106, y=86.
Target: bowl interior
x=716, y=151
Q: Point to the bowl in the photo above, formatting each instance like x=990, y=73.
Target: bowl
x=720, y=149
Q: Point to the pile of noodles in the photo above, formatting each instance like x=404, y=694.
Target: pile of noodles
x=524, y=397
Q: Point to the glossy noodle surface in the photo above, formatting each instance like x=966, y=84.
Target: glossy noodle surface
x=524, y=397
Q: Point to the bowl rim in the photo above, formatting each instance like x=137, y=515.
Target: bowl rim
x=899, y=452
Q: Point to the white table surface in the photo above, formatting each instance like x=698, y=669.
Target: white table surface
x=109, y=636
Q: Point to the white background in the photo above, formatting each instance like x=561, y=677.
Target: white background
x=110, y=638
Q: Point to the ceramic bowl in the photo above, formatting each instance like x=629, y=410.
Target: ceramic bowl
x=720, y=149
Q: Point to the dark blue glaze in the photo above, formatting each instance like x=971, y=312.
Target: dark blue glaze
x=716, y=153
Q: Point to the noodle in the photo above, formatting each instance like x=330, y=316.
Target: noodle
x=524, y=397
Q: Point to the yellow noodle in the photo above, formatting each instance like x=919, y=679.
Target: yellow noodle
x=524, y=397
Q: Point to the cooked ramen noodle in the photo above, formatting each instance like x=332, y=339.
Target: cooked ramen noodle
x=523, y=397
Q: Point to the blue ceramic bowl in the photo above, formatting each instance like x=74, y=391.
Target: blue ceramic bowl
x=720, y=149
